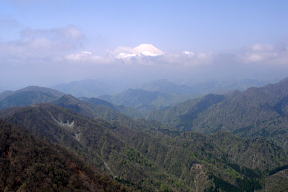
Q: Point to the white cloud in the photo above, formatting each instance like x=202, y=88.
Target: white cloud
x=189, y=53
x=85, y=56
x=72, y=33
x=189, y=58
x=261, y=47
x=59, y=34
x=265, y=53
x=42, y=44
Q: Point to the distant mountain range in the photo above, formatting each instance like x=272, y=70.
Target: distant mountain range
x=230, y=142
x=88, y=88
x=152, y=94
x=163, y=93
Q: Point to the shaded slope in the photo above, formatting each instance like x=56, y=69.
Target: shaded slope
x=255, y=153
x=255, y=112
x=182, y=115
x=277, y=182
x=251, y=107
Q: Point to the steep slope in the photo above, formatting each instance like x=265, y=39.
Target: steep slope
x=28, y=96
x=182, y=115
x=277, y=181
x=251, y=107
x=29, y=164
x=254, y=112
x=254, y=153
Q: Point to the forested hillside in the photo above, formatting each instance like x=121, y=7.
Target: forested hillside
x=165, y=152
x=29, y=164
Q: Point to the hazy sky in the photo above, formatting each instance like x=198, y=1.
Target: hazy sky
x=46, y=42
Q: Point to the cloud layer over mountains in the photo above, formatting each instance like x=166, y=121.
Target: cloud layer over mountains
x=49, y=56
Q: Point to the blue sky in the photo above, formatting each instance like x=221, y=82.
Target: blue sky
x=41, y=39
x=170, y=24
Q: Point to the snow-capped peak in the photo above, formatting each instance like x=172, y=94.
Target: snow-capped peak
x=148, y=50
x=141, y=50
